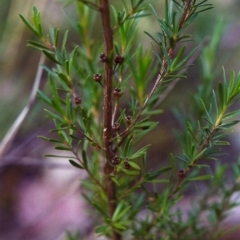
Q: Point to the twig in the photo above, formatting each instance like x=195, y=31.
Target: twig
x=203, y=146
x=8, y=138
x=171, y=86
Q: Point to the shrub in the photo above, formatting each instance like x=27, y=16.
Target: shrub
x=104, y=95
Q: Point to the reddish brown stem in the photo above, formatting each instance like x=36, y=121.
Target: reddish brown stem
x=188, y=169
x=107, y=131
x=185, y=14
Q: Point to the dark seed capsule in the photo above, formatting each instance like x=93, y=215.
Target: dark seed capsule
x=126, y=165
x=116, y=126
x=117, y=90
x=97, y=77
x=119, y=59
x=77, y=100
x=129, y=120
x=115, y=160
x=117, y=93
x=103, y=57
x=181, y=173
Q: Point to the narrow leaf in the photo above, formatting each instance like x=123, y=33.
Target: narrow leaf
x=134, y=165
x=200, y=178
x=140, y=152
x=84, y=157
x=28, y=24
x=51, y=57
x=62, y=148
x=129, y=172
x=75, y=164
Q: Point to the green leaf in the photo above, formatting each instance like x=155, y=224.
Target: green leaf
x=140, y=152
x=36, y=19
x=65, y=79
x=59, y=129
x=75, y=137
x=120, y=211
x=154, y=12
x=65, y=36
x=44, y=98
x=102, y=230
x=119, y=226
x=142, y=123
x=139, y=15
x=51, y=57
x=57, y=156
x=49, y=139
x=84, y=157
x=201, y=154
x=53, y=115
x=130, y=172
x=177, y=58
x=153, y=112
x=72, y=56
x=200, y=178
x=116, y=181
x=134, y=165
x=128, y=146
x=173, y=164
x=62, y=148
x=152, y=175
x=56, y=100
x=160, y=181
x=151, y=37
x=201, y=166
x=101, y=210
x=221, y=95
x=29, y=25
x=231, y=115
x=205, y=109
x=75, y=164
x=38, y=45
x=54, y=33
x=222, y=143
x=228, y=125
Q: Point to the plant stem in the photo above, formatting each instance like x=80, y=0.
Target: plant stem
x=186, y=14
x=107, y=131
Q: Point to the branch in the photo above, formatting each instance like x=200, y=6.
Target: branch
x=160, y=77
x=184, y=173
x=107, y=131
x=8, y=138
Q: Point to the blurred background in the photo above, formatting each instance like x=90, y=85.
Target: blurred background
x=40, y=197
